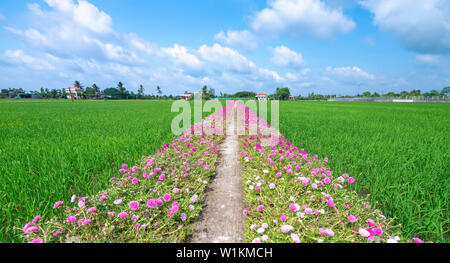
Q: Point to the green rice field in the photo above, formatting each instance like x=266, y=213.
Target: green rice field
x=51, y=150
x=399, y=153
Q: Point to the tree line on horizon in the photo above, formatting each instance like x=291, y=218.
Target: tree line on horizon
x=120, y=92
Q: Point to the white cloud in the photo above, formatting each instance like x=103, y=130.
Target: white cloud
x=350, y=73
x=226, y=57
x=181, y=56
x=269, y=74
x=302, y=17
x=284, y=57
x=244, y=39
x=422, y=26
x=428, y=59
x=84, y=14
x=19, y=58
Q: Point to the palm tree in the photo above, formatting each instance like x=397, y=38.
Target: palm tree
x=122, y=90
x=77, y=85
x=141, y=90
x=158, y=89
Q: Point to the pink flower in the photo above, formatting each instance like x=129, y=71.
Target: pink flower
x=183, y=217
x=57, y=233
x=326, y=232
x=371, y=222
x=327, y=180
x=35, y=219
x=133, y=205
x=352, y=218
x=351, y=180
x=92, y=209
x=151, y=203
x=244, y=212
x=86, y=221
x=294, y=207
x=37, y=240
x=286, y=228
x=57, y=204
x=331, y=203
x=378, y=231
x=134, y=181
x=418, y=240
x=194, y=198
x=123, y=215
x=124, y=166
x=283, y=218
x=71, y=219
x=260, y=207
x=166, y=197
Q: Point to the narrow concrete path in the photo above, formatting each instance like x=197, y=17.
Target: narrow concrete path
x=222, y=220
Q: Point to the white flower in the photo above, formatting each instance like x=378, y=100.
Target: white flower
x=364, y=232
x=73, y=198
x=391, y=240
x=260, y=230
x=319, y=240
x=272, y=186
x=264, y=238
x=295, y=238
x=251, y=187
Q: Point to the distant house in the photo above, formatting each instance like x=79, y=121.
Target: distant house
x=291, y=97
x=186, y=96
x=72, y=93
x=262, y=96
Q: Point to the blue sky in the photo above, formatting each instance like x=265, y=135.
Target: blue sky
x=333, y=47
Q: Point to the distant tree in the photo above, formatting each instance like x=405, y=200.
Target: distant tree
x=282, y=93
x=111, y=92
x=376, y=95
x=405, y=94
x=78, y=85
x=158, y=90
x=415, y=92
x=211, y=93
x=446, y=91
x=141, y=90
x=434, y=93
x=367, y=94
x=122, y=91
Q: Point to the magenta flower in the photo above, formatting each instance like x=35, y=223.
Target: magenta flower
x=166, y=197
x=37, y=240
x=151, y=203
x=123, y=215
x=331, y=203
x=133, y=205
x=57, y=204
x=283, y=218
x=57, y=233
x=92, y=209
x=35, y=219
x=260, y=207
x=71, y=219
x=418, y=240
x=351, y=180
x=378, y=231
x=352, y=218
